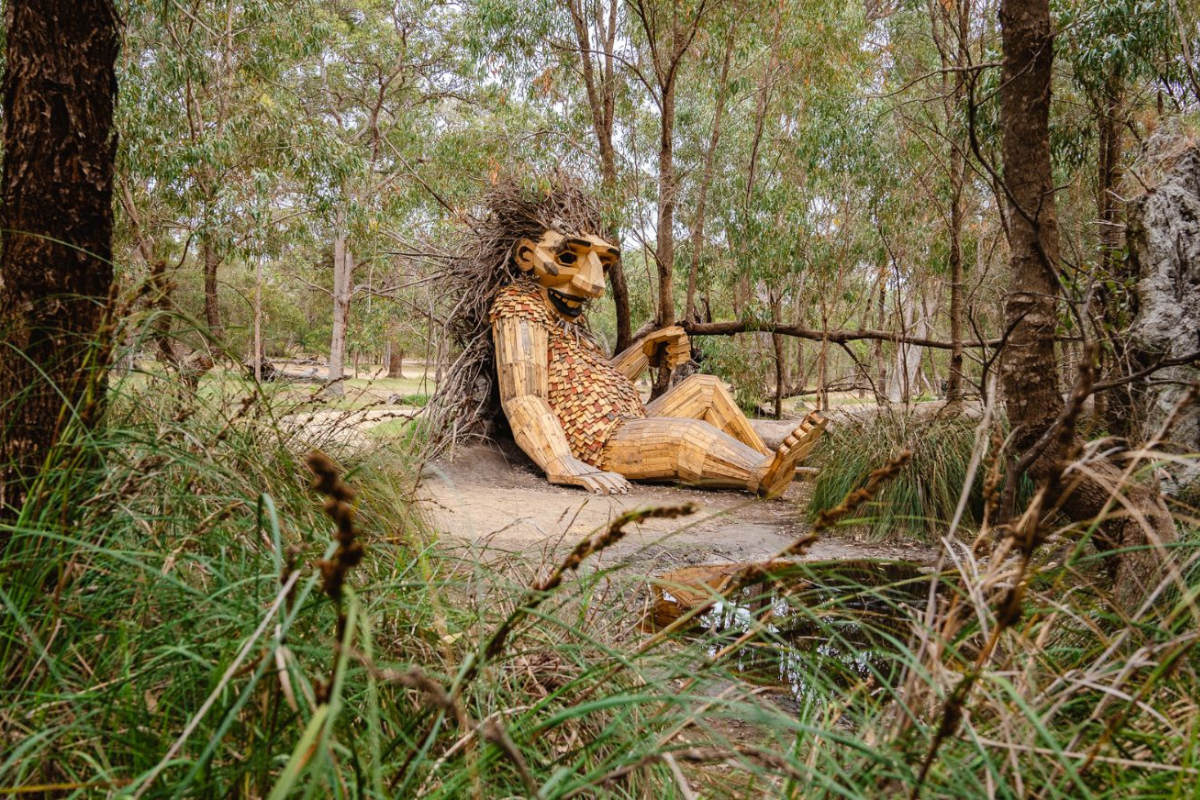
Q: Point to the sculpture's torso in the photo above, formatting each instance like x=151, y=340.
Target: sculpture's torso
x=590, y=398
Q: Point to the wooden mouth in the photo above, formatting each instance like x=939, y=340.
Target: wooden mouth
x=567, y=305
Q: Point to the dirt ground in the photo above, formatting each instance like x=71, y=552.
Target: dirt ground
x=494, y=502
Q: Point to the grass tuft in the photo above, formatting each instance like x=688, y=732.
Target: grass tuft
x=920, y=501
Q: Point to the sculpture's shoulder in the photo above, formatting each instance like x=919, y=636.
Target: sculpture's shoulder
x=518, y=301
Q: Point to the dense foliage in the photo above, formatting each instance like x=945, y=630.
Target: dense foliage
x=820, y=150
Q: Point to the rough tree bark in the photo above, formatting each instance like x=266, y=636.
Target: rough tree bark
x=1029, y=373
x=56, y=220
x=1164, y=257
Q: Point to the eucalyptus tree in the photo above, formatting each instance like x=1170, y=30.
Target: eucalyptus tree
x=1043, y=428
x=597, y=25
x=207, y=127
x=957, y=32
x=367, y=95
x=667, y=34
x=795, y=169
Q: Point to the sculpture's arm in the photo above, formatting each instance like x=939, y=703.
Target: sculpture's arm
x=633, y=360
x=521, y=362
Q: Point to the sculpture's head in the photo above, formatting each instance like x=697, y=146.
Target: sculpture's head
x=569, y=268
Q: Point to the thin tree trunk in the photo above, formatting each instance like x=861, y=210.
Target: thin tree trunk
x=706, y=180
x=1029, y=373
x=908, y=359
x=665, y=233
x=258, y=352
x=601, y=93
x=212, y=307
x=764, y=101
x=666, y=71
x=343, y=272
x=1122, y=418
x=954, y=379
x=954, y=22
x=56, y=224
x=823, y=362
x=880, y=361
x=777, y=344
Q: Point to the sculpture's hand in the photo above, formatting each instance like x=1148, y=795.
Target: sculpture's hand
x=573, y=472
x=672, y=342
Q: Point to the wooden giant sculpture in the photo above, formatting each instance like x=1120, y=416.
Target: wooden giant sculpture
x=578, y=415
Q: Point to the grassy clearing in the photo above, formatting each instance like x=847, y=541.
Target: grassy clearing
x=149, y=649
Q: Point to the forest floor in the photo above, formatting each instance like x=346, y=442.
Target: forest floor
x=494, y=503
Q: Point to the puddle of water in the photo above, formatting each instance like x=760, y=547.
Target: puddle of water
x=820, y=622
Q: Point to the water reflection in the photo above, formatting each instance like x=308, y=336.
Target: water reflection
x=815, y=624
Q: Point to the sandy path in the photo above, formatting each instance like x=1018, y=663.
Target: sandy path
x=496, y=505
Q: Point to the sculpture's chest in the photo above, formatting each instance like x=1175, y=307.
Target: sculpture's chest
x=589, y=397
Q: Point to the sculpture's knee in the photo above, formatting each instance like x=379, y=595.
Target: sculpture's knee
x=708, y=383
x=694, y=442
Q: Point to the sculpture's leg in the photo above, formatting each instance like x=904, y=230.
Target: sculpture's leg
x=705, y=397
x=695, y=452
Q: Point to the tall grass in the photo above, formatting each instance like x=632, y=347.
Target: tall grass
x=163, y=633
x=921, y=502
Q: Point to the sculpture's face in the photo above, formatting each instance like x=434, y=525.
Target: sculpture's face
x=570, y=269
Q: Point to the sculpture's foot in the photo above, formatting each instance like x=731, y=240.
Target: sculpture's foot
x=781, y=469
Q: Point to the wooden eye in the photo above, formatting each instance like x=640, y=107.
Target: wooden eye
x=567, y=258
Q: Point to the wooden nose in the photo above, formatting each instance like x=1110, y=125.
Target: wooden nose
x=590, y=278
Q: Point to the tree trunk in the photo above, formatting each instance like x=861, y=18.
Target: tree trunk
x=880, y=361
x=954, y=379
x=664, y=250
x=602, y=98
x=56, y=223
x=908, y=357
x=395, y=364
x=343, y=274
x=620, y=293
x=706, y=181
x=777, y=345
x=212, y=308
x=258, y=346
x=1115, y=302
x=1029, y=373
x=955, y=56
